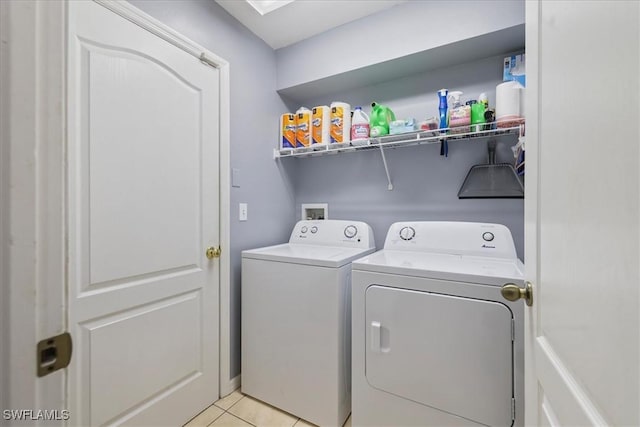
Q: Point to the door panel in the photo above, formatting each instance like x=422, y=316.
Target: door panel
x=452, y=353
x=143, y=205
x=166, y=354
x=128, y=151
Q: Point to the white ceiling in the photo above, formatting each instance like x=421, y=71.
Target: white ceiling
x=302, y=19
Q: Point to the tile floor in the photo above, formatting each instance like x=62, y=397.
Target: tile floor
x=240, y=410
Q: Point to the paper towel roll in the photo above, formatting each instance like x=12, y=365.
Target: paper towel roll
x=509, y=101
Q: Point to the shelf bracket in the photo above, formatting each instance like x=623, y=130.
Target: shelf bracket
x=386, y=169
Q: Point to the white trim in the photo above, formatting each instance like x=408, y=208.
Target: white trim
x=570, y=398
x=531, y=214
x=225, y=233
x=4, y=207
x=143, y=20
x=231, y=386
x=547, y=414
x=33, y=144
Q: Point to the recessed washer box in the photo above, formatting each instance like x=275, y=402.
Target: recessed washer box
x=314, y=211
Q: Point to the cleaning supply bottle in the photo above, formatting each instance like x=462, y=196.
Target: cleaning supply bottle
x=459, y=114
x=381, y=116
x=359, y=127
x=442, y=108
x=483, y=99
x=477, y=114
x=454, y=99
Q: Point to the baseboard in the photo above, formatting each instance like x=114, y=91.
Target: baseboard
x=232, y=385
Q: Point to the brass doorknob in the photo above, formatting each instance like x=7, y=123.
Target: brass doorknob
x=213, y=252
x=513, y=292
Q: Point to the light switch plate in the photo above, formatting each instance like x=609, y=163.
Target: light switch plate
x=242, y=212
x=235, y=177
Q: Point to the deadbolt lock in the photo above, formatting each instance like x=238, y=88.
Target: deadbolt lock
x=513, y=292
x=213, y=252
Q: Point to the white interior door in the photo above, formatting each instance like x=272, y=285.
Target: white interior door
x=581, y=207
x=143, y=206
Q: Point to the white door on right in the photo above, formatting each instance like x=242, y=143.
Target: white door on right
x=581, y=213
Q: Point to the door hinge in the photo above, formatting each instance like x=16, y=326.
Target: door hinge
x=53, y=353
x=513, y=409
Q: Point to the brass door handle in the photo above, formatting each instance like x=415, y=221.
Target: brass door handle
x=212, y=252
x=513, y=292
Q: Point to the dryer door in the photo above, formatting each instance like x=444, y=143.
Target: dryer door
x=451, y=353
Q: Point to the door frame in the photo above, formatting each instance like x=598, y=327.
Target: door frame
x=33, y=195
x=532, y=11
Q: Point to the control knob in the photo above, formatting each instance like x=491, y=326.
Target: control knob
x=407, y=233
x=488, y=236
x=350, y=231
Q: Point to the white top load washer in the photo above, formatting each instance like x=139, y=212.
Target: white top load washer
x=296, y=314
x=434, y=342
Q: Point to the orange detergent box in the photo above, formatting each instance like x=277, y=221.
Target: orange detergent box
x=320, y=123
x=340, y=123
x=303, y=129
x=287, y=131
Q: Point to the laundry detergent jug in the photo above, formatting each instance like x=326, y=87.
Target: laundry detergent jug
x=381, y=116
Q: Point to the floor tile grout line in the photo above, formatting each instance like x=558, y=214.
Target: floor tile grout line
x=235, y=403
x=248, y=422
x=236, y=416
x=223, y=411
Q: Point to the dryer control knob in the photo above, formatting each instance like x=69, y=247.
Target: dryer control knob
x=407, y=233
x=314, y=229
x=350, y=231
x=488, y=236
x=304, y=229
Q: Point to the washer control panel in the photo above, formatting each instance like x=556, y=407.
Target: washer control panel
x=456, y=238
x=355, y=234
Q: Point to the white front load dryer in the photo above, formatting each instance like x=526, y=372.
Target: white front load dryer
x=434, y=341
x=296, y=319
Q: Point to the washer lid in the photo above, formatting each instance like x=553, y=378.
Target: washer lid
x=462, y=268
x=322, y=256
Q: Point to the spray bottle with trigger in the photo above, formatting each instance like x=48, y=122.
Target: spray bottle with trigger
x=444, y=116
x=442, y=108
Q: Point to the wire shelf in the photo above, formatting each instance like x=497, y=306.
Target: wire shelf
x=409, y=139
